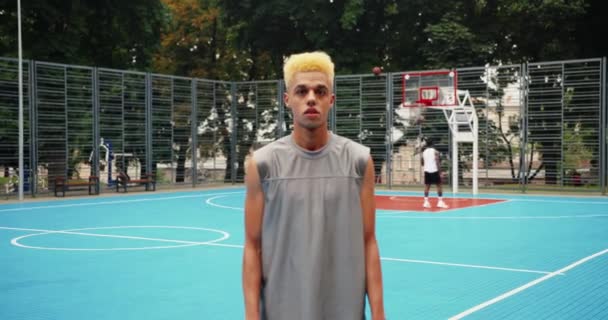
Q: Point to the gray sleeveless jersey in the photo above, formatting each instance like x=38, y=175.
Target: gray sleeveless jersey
x=313, y=259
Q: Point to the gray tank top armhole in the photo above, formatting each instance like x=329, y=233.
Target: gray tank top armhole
x=260, y=156
x=362, y=154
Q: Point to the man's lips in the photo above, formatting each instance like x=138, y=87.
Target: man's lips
x=311, y=111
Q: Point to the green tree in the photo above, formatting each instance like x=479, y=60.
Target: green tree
x=105, y=33
x=9, y=105
x=352, y=31
x=450, y=44
x=502, y=137
x=194, y=43
x=537, y=30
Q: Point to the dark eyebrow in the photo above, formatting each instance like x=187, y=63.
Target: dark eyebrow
x=319, y=86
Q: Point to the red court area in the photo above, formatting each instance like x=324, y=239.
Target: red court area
x=415, y=203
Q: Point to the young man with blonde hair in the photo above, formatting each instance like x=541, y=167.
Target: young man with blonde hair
x=310, y=245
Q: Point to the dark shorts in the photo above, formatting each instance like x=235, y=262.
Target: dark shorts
x=432, y=178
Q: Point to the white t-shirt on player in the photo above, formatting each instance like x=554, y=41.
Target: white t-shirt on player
x=430, y=165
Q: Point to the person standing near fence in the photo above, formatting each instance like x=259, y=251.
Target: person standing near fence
x=431, y=163
x=310, y=245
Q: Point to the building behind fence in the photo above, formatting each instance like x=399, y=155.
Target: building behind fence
x=542, y=125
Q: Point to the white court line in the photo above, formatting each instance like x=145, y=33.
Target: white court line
x=216, y=243
x=450, y=209
x=525, y=286
x=507, y=199
x=434, y=262
x=114, y=202
x=128, y=237
x=25, y=229
x=398, y=216
x=209, y=202
x=15, y=241
x=236, y=208
x=386, y=212
x=605, y=203
x=225, y=245
x=485, y=205
x=466, y=265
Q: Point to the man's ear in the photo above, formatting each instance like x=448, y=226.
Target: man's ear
x=286, y=100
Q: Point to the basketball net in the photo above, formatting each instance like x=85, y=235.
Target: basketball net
x=411, y=115
x=411, y=118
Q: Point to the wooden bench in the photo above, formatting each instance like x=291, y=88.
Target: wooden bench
x=62, y=185
x=125, y=181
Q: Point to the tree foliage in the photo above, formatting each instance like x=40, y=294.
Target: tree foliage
x=248, y=39
x=104, y=33
x=193, y=42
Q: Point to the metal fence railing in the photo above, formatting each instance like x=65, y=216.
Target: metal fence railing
x=542, y=126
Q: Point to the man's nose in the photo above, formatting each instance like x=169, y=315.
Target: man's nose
x=311, y=98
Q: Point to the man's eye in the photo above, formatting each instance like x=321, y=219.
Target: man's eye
x=321, y=92
x=300, y=91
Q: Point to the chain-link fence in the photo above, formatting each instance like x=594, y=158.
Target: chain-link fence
x=541, y=126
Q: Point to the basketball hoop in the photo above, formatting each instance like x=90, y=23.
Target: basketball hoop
x=438, y=90
x=432, y=89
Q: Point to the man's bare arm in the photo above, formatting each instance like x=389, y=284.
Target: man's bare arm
x=252, y=261
x=438, y=161
x=373, y=270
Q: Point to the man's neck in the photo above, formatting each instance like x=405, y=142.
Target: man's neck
x=311, y=140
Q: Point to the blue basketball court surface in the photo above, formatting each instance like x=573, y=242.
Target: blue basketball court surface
x=178, y=256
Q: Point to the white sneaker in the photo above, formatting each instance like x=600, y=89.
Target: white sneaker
x=426, y=204
x=442, y=204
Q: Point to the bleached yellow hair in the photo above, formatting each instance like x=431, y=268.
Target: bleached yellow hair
x=308, y=61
